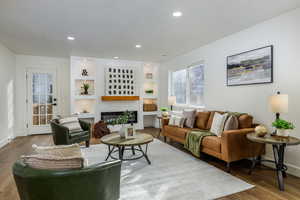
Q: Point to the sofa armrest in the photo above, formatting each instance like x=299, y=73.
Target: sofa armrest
x=60, y=133
x=236, y=146
x=164, y=122
x=86, y=126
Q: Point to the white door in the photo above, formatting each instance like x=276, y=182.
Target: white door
x=41, y=100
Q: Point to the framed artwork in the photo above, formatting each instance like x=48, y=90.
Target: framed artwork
x=251, y=67
x=130, y=132
x=120, y=81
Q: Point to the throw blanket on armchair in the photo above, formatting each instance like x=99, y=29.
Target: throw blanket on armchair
x=194, y=139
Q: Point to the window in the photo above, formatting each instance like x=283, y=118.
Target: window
x=179, y=86
x=188, y=85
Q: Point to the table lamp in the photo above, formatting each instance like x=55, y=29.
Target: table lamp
x=172, y=101
x=279, y=103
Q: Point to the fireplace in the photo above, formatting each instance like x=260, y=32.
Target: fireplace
x=113, y=115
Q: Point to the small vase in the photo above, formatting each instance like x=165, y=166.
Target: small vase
x=86, y=92
x=283, y=132
x=165, y=114
x=122, y=131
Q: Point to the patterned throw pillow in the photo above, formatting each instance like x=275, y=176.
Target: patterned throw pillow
x=218, y=123
x=176, y=121
x=71, y=123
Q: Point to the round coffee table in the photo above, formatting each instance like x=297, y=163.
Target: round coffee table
x=279, y=144
x=117, y=144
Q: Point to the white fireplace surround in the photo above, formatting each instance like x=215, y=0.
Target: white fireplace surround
x=97, y=70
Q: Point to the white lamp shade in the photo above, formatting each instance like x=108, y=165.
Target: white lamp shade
x=172, y=100
x=279, y=103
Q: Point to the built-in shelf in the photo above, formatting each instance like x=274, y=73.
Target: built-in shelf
x=150, y=96
x=150, y=113
x=85, y=78
x=85, y=97
x=120, y=98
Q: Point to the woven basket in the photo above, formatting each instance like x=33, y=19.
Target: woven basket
x=150, y=107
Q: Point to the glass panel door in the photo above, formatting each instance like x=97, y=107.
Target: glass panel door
x=41, y=100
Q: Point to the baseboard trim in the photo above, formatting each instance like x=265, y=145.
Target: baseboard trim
x=292, y=169
x=4, y=142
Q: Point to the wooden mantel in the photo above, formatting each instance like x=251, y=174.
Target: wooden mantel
x=120, y=98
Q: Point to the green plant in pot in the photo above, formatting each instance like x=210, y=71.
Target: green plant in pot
x=121, y=120
x=86, y=87
x=164, y=111
x=283, y=127
x=150, y=91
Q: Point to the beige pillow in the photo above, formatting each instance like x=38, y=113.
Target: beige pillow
x=177, y=121
x=59, y=150
x=71, y=123
x=56, y=157
x=218, y=123
x=41, y=161
x=232, y=123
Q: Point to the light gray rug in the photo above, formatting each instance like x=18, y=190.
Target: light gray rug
x=172, y=175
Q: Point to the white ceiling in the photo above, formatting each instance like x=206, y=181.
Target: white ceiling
x=112, y=28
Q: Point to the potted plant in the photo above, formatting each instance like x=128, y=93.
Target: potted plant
x=283, y=127
x=150, y=91
x=164, y=111
x=121, y=120
x=86, y=87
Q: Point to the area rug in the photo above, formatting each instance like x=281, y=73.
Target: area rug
x=173, y=174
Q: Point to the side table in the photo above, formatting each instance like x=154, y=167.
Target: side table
x=278, y=144
x=160, y=118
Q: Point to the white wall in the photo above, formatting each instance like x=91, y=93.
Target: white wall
x=283, y=32
x=7, y=97
x=62, y=67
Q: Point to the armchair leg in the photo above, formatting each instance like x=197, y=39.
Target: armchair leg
x=228, y=167
x=87, y=144
x=165, y=139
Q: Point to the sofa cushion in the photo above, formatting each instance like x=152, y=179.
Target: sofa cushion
x=76, y=134
x=177, y=132
x=212, y=142
x=202, y=119
x=245, y=121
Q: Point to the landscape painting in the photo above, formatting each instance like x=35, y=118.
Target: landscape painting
x=251, y=67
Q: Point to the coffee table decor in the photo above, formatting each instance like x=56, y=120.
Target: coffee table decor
x=117, y=144
x=279, y=144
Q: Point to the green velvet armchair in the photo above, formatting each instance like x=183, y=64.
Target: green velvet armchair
x=97, y=182
x=62, y=135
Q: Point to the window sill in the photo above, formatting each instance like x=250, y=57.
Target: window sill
x=188, y=106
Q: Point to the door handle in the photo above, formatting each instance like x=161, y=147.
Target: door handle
x=54, y=104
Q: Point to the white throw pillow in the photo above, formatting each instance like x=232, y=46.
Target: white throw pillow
x=176, y=121
x=218, y=123
x=71, y=123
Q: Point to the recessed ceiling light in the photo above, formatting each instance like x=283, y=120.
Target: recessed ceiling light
x=138, y=46
x=71, y=38
x=177, y=14
x=116, y=57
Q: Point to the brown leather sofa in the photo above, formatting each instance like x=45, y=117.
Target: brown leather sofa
x=231, y=146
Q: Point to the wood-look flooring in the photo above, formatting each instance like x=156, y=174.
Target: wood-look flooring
x=263, y=178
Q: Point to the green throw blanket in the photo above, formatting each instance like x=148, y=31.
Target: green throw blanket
x=194, y=139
